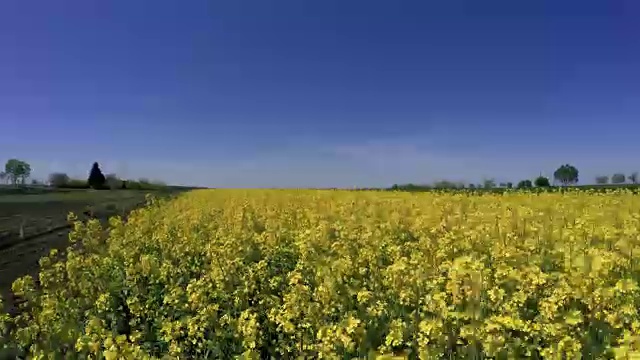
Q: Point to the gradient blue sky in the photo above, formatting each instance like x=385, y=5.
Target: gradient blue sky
x=321, y=93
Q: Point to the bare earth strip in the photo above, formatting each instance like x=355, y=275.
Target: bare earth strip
x=22, y=216
x=19, y=256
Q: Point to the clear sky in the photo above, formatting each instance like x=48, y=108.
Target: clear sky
x=285, y=93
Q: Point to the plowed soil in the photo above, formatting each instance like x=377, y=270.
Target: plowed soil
x=44, y=227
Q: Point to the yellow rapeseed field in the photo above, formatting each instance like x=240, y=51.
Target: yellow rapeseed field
x=288, y=274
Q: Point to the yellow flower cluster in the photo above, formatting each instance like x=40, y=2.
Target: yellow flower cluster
x=335, y=274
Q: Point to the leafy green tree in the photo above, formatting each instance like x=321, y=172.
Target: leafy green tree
x=58, y=180
x=509, y=185
x=618, y=178
x=566, y=175
x=633, y=177
x=524, y=184
x=17, y=171
x=602, y=180
x=542, y=181
x=96, y=179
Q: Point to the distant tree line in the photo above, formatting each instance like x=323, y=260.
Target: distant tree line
x=617, y=178
x=565, y=175
x=16, y=172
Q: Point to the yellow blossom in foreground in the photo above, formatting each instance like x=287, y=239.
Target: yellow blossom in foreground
x=251, y=274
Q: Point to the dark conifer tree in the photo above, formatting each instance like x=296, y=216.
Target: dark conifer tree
x=97, y=179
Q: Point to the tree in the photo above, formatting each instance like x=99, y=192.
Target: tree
x=58, y=179
x=3, y=176
x=602, y=180
x=618, y=178
x=566, y=174
x=633, y=177
x=488, y=183
x=542, y=181
x=112, y=181
x=472, y=186
x=524, y=184
x=17, y=171
x=509, y=185
x=96, y=177
x=442, y=184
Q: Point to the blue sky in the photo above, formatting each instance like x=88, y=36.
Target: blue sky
x=320, y=93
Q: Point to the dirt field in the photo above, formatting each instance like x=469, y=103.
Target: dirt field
x=23, y=216
x=42, y=219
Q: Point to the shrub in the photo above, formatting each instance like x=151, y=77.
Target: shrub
x=59, y=180
x=542, y=181
x=525, y=184
x=76, y=184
